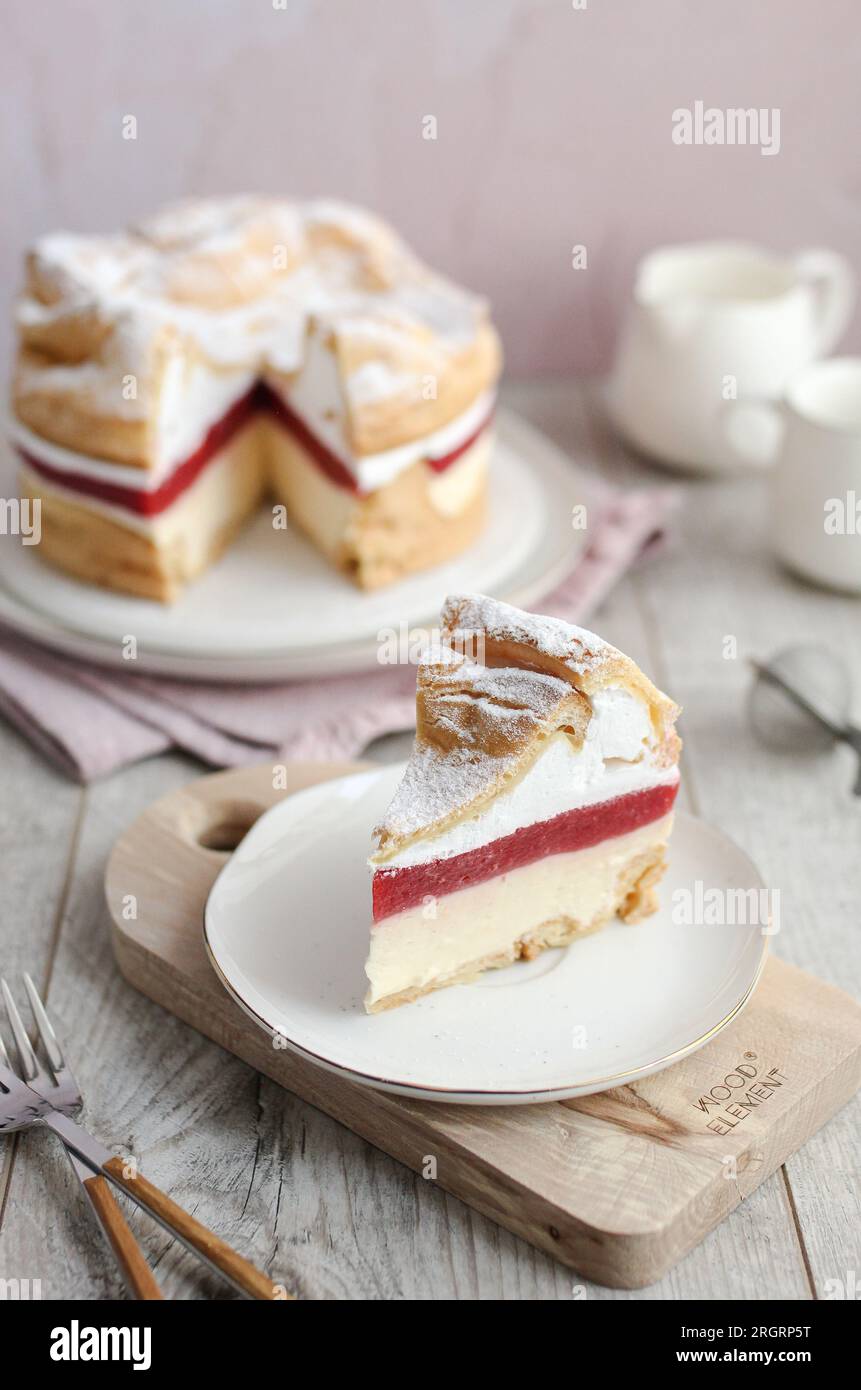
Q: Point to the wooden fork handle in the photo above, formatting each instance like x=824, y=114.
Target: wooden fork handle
x=238, y=1270
x=127, y=1252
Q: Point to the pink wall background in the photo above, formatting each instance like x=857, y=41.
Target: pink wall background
x=554, y=128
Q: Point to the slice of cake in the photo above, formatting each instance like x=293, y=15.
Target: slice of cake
x=536, y=806
x=171, y=377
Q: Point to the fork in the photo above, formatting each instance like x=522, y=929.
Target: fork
x=97, y=1190
x=50, y=1098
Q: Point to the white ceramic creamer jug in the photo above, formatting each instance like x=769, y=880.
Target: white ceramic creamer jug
x=813, y=436
x=717, y=321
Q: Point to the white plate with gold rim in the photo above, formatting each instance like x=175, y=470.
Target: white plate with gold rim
x=273, y=609
x=286, y=928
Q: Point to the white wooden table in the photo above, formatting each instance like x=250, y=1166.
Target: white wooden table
x=320, y=1209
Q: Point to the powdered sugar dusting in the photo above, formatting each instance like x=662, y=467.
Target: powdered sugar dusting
x=244, y=279
x=435, y=784
x=484, y=730
x=480, y=722
x=580, y=649
x=514, y=686
x=467, y=696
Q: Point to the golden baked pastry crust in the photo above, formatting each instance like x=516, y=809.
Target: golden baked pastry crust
x=482, y=723
x=239, y=283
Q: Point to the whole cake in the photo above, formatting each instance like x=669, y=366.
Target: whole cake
x=170, y=378
x=536, y=806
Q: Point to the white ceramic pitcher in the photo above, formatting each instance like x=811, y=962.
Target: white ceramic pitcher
x=713, y=321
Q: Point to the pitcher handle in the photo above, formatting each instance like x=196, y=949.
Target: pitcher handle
x=835, y=285
x=769, y=419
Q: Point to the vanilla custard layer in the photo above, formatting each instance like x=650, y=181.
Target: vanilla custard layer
x=444, y=937
x=315, y=505
x=388, y=528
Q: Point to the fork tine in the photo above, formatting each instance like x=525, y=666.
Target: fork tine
x=4, y=1055
x=26, y=1056
x=43, y=1023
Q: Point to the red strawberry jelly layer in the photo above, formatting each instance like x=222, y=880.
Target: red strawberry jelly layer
x=397, y=889
x=444, y=461
x=328, y=463
x=152, y=503
x=258, y=399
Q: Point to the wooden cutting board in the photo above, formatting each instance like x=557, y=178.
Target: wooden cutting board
x=620, y=1185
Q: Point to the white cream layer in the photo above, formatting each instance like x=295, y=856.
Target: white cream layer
x=318, y=504
x=433, y=943
x=617, y=757
x=192, y=400
x=182, y=433
x=313, y=397
x=204, y=506
x=67, y=461
x=191, y=404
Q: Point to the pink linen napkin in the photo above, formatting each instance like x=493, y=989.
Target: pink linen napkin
x=90, y=720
